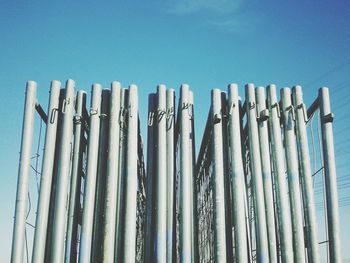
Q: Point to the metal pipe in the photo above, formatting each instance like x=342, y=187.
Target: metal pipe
x=237, y=176
x=46, y=175
x=330, y=175
x=293, y=175
x=185, y=179
x=63, y=173
x=19, y=226
x=266, y=171
x=255, y=166
x=193, y=181
x=74, y=198
x=113, y=176
x=284, y=216
x=218, y=176
x=170, y=171
x=129, y=230
x=97, y=241
x=91, y=174
x=161, y=175
x=306, y=176
x=151, y=135
x=124, y=101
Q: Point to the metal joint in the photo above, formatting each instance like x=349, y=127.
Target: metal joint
x=277, y=106
x=328, y=118
x=150, y=118
x=290, y=108
x=303, y=108
x=232, y=105
x=263, y=115
x=53, y=115
x=93, y=111
x=65, y=102
x=78, y=119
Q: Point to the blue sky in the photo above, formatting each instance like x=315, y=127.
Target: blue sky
x=204, y=43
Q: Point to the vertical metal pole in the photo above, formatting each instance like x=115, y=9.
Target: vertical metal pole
x=255, y=164
x=101, y=178
x=293, y=175
x=149, y=253
x=23, y=174
x=218, y=176
x=124, y=101
x=330, y=175
x=161, y=175
x=170, y=171
x=237, y=176
x=284, y=216
x=185, y=179
x=60, y=214
x=306, y=176
x=113, y=176
x=266, y=171
x=74, y=198
x=129, y=230
x=46, y=175
x=193, y=181
x=91, y=174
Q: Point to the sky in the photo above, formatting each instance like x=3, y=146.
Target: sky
x=205, y=43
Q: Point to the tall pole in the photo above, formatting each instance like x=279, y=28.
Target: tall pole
x=101, y=178
x=151, y=136
x=170, y=171
x=218, y=178
x=64, y=164
x=266, y=171
x=19, y=226
x=283, y=208
x=161, y=175
x=129, y=230
x=113, y=176
x=330, y=175
x=74, y=198
x=255, y=166
x=306, y=176
x=46, y=175
x=185, y=179
x=293, y=175
x=237, y=176
x=91, y=174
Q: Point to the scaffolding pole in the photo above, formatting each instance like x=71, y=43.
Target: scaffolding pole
x=46, y=175
x=19, y=226
x=91, y=176
x=170, y=171
x=75, y=186
x=283, y=208
x=262, y=118
x=293, y=175
x=113, y=176
x=129, y=230
x=306, y=176
x=218, y=176
x=185, y=179
x=255, y=166
x=237, y=176
x=326, y=117
x=63, y=173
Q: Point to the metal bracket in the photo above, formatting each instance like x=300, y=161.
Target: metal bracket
x=328, y=118
x=65, y=102
x=160, y=114
x=303, y=108
x=217, y=118
x=150, y=118
x=263, y=115
x=290, y=108
x=93, y=111
x=103, y=116
x=232, y=105
x=277, y=106
x=53, y=115
x=170, y=117
x=77, y=119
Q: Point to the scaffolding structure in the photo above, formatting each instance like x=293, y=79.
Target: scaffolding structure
x=249, y=196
